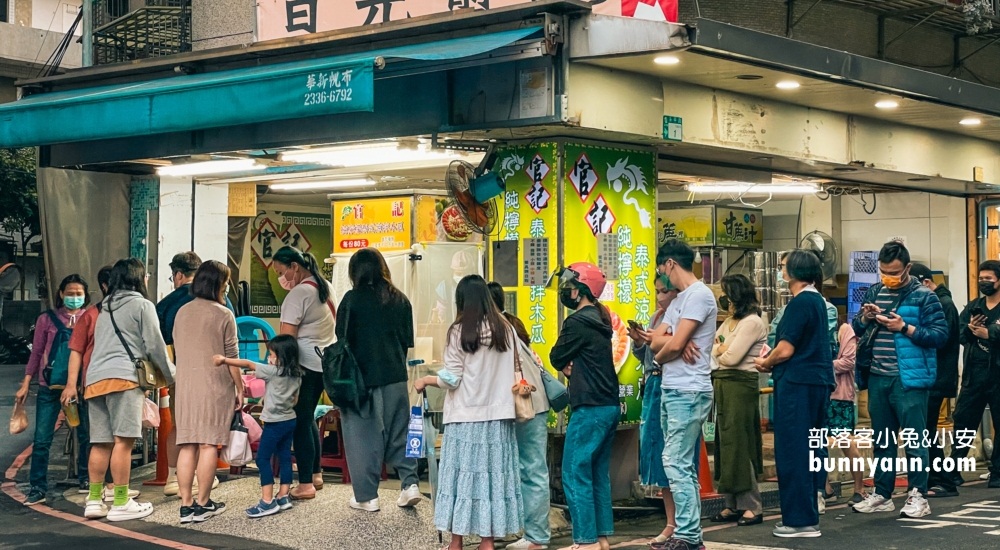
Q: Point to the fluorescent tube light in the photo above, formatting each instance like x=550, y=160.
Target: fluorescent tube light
x=368, y=155
x=754, y=188
x=327, y=184
x=210, y=167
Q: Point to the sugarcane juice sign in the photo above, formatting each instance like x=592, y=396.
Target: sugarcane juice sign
x=739, y=228
x=693, y=225
x=382, y=223
x=309, y=232
x=531, y=212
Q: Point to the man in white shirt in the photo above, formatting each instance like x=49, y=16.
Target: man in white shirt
x=684, y=357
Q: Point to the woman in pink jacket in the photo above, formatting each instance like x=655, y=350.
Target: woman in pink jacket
x=840, y=416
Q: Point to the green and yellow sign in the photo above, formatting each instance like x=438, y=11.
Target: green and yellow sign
x=694, y=225
x=739, y=228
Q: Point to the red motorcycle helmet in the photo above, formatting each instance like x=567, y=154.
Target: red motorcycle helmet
x=582, y=273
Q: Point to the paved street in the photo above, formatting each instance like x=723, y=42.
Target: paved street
x=971, y=520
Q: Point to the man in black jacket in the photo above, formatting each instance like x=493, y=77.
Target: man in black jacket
x=946, y=385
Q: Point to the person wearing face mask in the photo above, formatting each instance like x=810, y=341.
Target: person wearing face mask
x=307, y=313
x=52, y=329
x=651, y=475
x=900, y=328
x=583, y=353
x=979, y=333
x=738, y=444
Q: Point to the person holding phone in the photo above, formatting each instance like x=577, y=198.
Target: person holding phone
x=979, y=333
x=901, y=325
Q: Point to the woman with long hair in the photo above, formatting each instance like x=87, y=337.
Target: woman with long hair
x=207, y=394
x=802, y=368
x=377, y=321
x=583, y=353
x=127, y=320
x=308, y=315
x=53, y=327
x=478, y=486
x=738, y=454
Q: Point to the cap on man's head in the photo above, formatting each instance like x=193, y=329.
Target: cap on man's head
x=185, y=262
x=922, y=273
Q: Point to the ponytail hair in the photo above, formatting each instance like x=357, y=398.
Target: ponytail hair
x=289, y=255
x=603, y=310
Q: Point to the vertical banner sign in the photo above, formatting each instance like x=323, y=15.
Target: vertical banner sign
x=272, y=230
x=529, y=216
x=612, y=191
x=382, y=223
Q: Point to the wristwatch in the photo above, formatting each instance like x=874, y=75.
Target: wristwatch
x=905, y=328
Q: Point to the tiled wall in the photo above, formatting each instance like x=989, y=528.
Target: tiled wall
x=145, y=196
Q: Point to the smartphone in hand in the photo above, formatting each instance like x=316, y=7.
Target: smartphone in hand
x=765, y=350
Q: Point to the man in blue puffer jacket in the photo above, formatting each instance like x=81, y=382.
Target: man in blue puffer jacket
x=900, y=327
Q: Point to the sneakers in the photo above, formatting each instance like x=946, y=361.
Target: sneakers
x=285, y=502
x=916, y=506
x=96, y=509
x=187, y=513
x=369, y=506
x=780, y=530
x=525, y=544
x=821, y=503
x=410, y=497
x=130, y=510
x=985, y=476
x=109, y=493
x=677, y=544
x=84, y=487
x=208, y=511
x=35, y=497
x=263, y=509
x=875, y=503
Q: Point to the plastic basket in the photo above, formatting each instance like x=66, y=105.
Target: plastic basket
x=865, y=261
x=856, y=295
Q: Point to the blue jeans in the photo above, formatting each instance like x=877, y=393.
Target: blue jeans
x=893, y=407
x=682, y=415
x=276, y=441
x=651, y=472
x=587, y=471
x=532, y=445
x=47, y=409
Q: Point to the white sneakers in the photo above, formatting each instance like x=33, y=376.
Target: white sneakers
x=369, y=506
x=129, y=511
x=96, y=509
x=916, y=506
x=410, y=497
x=821, y=503
x=525, y=544
x=109, y=494
x=874, y=503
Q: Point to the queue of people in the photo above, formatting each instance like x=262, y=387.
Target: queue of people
x=493, y=480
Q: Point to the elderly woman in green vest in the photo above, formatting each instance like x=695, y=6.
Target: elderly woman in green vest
x=738, y=455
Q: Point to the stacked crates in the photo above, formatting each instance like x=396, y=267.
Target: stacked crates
x=863, y=273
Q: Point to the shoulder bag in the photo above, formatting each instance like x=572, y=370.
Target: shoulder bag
x=523, y=409
x=150, y=377
x=865, y=355
x=342, y=378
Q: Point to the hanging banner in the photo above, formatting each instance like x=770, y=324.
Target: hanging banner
x=612, y=191
x=284, y=18
x=382, y=223
x=272, y=230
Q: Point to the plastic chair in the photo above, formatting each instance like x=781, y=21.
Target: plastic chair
x=330, y=422
x=252, y=332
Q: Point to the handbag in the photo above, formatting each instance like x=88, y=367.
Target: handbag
x=237, y=452
x=555, y=391
x=342, y=378
x=523, y=409
x=864, y=356
x=150, y=377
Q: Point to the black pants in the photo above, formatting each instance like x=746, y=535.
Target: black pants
x=798, y=408
x=307, y=449
x=937, y=478
x=980, y=389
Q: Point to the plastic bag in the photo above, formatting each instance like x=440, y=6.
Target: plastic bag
x=150, y=415
x=415, y=434
x=18, y=419
x=254, y=430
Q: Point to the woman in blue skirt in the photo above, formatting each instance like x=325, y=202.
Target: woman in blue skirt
x=478, y=482
x=651, y=475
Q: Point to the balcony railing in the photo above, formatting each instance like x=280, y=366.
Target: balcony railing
x=155, y=28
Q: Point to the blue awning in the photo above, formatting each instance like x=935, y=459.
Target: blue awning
x=283, y=91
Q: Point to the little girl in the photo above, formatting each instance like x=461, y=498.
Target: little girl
x=283, y=377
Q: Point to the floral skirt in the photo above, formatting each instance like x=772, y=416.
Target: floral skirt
x=479, y=485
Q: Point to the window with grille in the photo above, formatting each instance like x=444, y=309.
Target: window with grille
x=117, y=8
x=5, y=11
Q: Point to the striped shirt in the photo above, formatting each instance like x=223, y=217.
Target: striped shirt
x=884, y=348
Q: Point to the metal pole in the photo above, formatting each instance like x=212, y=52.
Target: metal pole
x=88, y=33
x=907, y=31
x=801, y=17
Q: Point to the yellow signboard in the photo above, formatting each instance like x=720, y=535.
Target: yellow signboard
x=691, y=224
x=382, y=223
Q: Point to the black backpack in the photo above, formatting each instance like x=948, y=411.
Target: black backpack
x=342, y=378
x=56, y=371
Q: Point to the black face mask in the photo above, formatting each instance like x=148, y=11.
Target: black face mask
x=567, y=300
x=987, y=288
x=725, y=303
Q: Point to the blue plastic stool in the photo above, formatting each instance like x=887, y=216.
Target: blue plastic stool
x=252, y=332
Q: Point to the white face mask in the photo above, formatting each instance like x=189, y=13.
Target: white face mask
x=271, y=359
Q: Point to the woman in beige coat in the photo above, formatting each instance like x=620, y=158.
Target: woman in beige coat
x=207, y=395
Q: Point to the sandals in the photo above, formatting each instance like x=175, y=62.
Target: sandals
x=661, y=538
x=726, y=518
x=938, y=491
